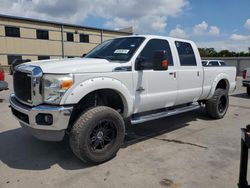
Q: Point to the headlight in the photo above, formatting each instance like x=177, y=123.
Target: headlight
x=54, y=87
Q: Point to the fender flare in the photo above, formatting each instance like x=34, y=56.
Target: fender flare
x=74, y=95
x=221, y=76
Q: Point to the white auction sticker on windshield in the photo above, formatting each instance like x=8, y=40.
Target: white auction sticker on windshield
x=121, y=51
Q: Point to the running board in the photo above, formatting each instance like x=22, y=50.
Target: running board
x=166, y=113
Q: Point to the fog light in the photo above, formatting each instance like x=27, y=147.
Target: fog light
x=44, y=119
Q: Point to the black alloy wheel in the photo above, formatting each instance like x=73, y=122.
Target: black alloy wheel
x=102, y=136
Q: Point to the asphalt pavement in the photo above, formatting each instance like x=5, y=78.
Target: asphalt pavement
x=187, y=150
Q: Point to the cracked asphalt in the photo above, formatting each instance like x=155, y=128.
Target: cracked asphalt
x=186, y=150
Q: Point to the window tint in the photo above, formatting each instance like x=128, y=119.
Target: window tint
x=153, y=45
x=222, y=63
x=70, y=37
x=213, y=63
x=84, y=38
x=11, y=58
x=204, y=63
x=186, y=54
x=119, y=49
x=42, y=34
x=12, y=31
x=43, y=57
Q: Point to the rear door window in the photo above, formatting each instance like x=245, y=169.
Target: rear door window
x=186, y=53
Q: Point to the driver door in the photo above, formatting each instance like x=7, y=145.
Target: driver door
x=154, y=89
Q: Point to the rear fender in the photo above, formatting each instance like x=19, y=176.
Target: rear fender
x=221, y=76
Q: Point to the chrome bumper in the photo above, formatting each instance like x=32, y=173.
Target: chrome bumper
x=26, y=115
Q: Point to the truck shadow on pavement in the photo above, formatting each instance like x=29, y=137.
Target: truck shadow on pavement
x=19, y=150
x=152, y=129
x=241, y=95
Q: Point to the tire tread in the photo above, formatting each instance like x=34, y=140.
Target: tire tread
x=211, y=104
x=80, y=126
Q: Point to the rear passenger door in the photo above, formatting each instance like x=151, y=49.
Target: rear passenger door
x=190, y=73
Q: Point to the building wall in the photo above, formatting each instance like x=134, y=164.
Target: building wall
x=29, y=47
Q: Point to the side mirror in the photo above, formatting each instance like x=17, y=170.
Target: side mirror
x=160, y=61
x=139, y=63
x=83, y=55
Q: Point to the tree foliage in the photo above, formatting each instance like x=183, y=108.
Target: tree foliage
x=211, y=52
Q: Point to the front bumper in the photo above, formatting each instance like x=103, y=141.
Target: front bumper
x=27, y=116
x=246, y=83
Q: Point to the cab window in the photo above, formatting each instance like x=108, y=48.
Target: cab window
x=153, y=45
x=186, y=54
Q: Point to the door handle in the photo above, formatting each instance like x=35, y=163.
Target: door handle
x=173, y=73
x=198, y=73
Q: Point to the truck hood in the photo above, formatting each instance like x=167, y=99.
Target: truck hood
x=75, y=65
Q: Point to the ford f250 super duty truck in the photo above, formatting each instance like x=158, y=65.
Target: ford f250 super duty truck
x=246, y=80
x=139, y=78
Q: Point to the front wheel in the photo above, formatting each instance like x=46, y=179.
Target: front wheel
x=97, y=135
x=217, y=106
x=248, y=91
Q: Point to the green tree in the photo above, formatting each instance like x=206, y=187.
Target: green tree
x=207, y=52
x=211, y=52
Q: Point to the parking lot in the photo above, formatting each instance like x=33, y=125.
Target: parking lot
x=187, y=150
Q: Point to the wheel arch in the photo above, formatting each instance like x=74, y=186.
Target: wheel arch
x=221, y=81
x=82, y=90
x=223, y=84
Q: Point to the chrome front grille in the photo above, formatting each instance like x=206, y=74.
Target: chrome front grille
x=27, y=84
x=22, y=86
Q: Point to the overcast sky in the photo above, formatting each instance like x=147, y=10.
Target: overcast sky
x=222, y=24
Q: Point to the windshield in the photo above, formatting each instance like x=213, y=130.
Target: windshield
x=120, y=49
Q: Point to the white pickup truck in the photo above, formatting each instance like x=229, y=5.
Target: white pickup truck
x=139, y=78
x=246, y=80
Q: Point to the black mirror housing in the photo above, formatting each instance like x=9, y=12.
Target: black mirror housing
x=139, y=64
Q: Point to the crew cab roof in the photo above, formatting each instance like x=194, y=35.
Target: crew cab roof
x=158, y=37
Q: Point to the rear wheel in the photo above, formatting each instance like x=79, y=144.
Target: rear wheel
x=97, y=135
x=248, y=91
x=217, y=106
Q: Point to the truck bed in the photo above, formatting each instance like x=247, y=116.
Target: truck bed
x=212, y=74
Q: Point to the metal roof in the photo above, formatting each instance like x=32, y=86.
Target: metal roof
x=59, y=23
